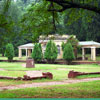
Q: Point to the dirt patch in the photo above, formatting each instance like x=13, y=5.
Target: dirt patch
x=34, y=73
x=70, y=81
x=61, y=69
x=1, y=69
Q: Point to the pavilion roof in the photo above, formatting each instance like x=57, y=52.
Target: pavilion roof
x=89, y=43
x=29, y=45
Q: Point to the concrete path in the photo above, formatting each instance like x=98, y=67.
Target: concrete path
x=33, y=73
x=70, y=81
x=1, y=69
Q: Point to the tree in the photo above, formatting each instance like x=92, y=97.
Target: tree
x=74, y=42
x=37, y=53
x=84, y=4
x=9, y=52
x=4, y=22
x=68, y=53
x=51, y=52
x=63, y=45
x=39, y=18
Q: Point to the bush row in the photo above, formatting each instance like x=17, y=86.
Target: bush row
x=50, y=54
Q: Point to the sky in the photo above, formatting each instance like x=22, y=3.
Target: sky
x=15, y=0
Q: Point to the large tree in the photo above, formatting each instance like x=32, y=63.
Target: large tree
x=91, y=5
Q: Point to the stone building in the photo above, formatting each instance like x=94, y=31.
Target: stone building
x=58, y=39
x=89, y=44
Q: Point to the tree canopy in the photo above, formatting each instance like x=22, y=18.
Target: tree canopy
x=91, y=5
x=24, y=21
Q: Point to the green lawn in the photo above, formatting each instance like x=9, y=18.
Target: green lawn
x=24, y=57
x=15, y=58
x=12, y=73
x=88, y=76
x=78, y=90
x=18, y=66
x=59, y=72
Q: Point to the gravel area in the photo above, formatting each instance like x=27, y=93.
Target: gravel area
x=34, y=73
x=70, y=81
x=1, y=69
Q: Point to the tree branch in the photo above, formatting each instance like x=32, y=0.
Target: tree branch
x=68, y=4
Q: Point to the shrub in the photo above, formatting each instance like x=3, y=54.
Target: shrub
x=63, y=45
x=74, y=42
x=51, y=52
x=68, y=53
x=9, y=52
x=37, y=52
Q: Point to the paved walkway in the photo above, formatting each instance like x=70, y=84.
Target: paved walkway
x=70, y=81
x=33, y=73
x=1, y=69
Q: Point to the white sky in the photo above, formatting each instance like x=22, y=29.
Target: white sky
x=15, y=0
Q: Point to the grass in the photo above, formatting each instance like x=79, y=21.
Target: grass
x=24, y=57
x=18, y=82
x=12, y=73
x=78, y=90
x=88, y=76
x=15, y=58
x=59, y=72
x=18, y=66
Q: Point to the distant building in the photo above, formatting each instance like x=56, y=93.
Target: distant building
x=58, y=39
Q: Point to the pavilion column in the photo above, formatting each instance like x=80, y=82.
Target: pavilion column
x=93, y=53
x=29, y=52
x=83, y=53
x=20, y=53
x=61, y=52
x=26, y=52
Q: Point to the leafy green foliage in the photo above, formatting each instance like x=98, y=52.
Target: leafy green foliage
x=37, y=53
x=74, y=42
x=38, y=20
x=68, y=53
x=9, y=52
x=51, y=52
x=63, y=45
